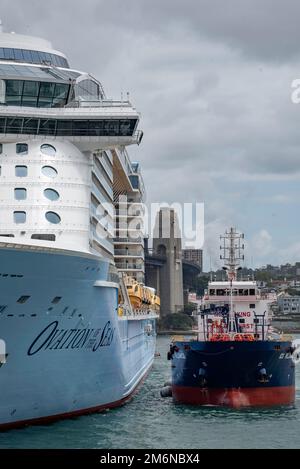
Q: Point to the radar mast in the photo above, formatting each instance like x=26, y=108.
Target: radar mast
x=232, y=249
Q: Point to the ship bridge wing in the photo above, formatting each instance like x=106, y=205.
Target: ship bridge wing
x=33, y=72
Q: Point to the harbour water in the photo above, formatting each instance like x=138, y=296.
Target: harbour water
x=149, y=421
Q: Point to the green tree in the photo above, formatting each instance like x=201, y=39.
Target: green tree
x=189, y=308
x=176, y=321
x=263, y=276
x=201, y=284
x=293, y=292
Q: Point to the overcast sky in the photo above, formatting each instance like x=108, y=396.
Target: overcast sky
x=212, y=80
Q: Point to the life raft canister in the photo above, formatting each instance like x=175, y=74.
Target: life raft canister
x=249, y=337
x=238, y=337
x=244, y=337
x=220, y=337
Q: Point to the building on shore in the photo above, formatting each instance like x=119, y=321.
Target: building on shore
x=193, y=255
x=288, y=304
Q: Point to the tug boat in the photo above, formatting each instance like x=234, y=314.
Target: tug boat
x=238, y=359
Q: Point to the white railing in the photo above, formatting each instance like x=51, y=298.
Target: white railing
x=129, y=214
x=128, y=252
x=125, y=161
x=138, y=135
x=98, y=103
x=139, y=313
x=129, y=266
x=235, y=297
x=126, y=202
x=136, y=240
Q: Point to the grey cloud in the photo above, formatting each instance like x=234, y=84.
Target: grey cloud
x=211, y=79
x=267, y=29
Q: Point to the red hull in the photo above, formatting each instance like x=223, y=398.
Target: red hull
x=243, y=397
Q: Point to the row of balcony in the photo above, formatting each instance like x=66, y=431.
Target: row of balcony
x=131, y=240
x=129, y=266
x=129, y=253
x=129, y=213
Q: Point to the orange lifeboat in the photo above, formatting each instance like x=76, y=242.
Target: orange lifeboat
x=215, y=338
x=220, y=337
x=225, y=337
x=244, y=337
x=249, y=337
x=239, y=337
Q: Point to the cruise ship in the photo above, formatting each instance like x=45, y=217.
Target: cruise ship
x=74, y=342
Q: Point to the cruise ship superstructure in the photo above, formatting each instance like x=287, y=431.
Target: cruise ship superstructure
x=71, y=347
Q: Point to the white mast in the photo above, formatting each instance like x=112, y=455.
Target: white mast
x=1, y=26
x=232, y=255
x=232, y=252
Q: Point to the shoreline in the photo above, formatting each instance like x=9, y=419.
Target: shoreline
x=288, y=330
x=176, y=332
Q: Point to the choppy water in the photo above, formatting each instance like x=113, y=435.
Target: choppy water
x=149, y=421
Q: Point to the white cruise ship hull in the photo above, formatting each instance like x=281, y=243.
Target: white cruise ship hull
x=68, y=351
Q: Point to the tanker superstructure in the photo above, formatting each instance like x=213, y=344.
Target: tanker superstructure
x=71, y=347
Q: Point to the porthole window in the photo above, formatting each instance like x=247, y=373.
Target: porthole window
x=52, y=217
x=20, y=193
x=22, y=148
x=51, y=194
x=19, y=217
x=56, y=300
x=47, y=149
x=21, y=171
x=49, y=171
x=23, y=299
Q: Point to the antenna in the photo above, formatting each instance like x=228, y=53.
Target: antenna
x=232, y=251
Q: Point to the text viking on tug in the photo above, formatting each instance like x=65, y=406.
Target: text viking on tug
x=238, y=359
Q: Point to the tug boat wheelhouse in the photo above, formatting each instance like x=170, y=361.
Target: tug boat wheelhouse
x=238, y=359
